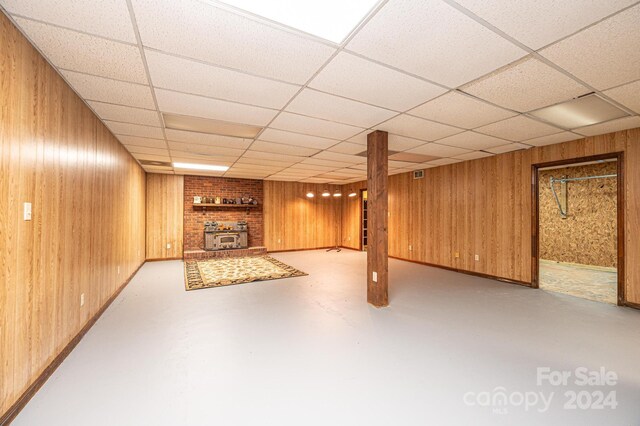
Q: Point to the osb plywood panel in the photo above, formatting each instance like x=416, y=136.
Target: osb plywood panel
x=589, y=233
x=484, y=207
x=294, y=222
x=87, y=233
x=165, y=203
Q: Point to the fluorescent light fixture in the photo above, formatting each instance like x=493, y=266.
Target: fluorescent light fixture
x=352, y=194
x=331, y=20
x=326, y=193
x=310, y=194
x=584, y=111
x=207, y=125
x=193, y=166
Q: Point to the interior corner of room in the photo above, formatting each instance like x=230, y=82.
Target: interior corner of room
x=371, y=192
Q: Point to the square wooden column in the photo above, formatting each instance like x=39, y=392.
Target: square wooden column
x=377, y=218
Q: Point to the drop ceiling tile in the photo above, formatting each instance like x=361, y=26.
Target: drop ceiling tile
x=290, y=138
x=433, y=40
x=262, y=169
x=134, y=130
x=348, y=148
x=313, y=126
x=410, y=158
x=134, y=149
x=205, y=149
x=126, y=114
x=418, y=128
x=507, y=148
x=248, y=161
x=159, y=170
x=604, y=55
x=106, y=18
x=193, y=157
x=539, y=23
x=245, y=175
x=102, y=89
x=472, y=140
x=552, y=139
x=168, y=72
x=223, y=38
x=151, y=157
x=526, y=85
x=76, y=51
x=272, y=156
x=199, y=106
x=207, y=139
x=628, y=95
x=321, y=105
x=335, y=156
x=460, y=110
x=138, y=141
x=278, y=148
x=473, y=155
x=329, y=163
x=356, y=78
x=518, y=129
x=444, y=161
x=316, y=180
x=351, y=172
x=609, y=126
x=188, y=172
x=317, y=168
x=438, y=150
x=282, y=178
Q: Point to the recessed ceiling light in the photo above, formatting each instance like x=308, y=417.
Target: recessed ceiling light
x=331, y=20
x=206, y=125
x=584, y=111
x=193, y=166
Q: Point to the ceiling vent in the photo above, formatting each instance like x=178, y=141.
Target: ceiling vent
x=418, y=174
x=155, y=163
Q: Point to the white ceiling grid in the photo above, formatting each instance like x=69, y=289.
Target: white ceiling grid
x=449, y=79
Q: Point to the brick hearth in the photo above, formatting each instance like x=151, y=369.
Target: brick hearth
x=218, y=254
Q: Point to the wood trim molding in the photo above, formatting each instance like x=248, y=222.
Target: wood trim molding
x=160, y=259
x=632, y=305
x=303, y=249
x=26, y=396
x=463, y=271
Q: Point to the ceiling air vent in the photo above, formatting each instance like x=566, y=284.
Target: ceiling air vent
x=418, y=174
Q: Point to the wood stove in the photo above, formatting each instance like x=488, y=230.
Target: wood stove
x=225, y=235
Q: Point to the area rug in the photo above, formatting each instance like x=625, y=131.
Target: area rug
x=235, y=270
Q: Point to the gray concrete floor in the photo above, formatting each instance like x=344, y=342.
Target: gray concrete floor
x=310, y=351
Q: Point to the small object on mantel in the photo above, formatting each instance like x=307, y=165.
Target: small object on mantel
x=197, y=200
x=217, y=200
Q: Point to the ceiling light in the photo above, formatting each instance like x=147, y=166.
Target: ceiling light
x=584, y=111
x=352, y=194
x=337, y=193
x=310, y=194
x=331, y=20
x=206, y=125
x=194, y=166
x=326, y=193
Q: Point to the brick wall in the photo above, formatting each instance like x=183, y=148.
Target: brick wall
x=205, y=186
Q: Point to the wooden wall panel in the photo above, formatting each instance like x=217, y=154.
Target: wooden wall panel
x=351, y=216
x=484, y=207
x=86, y=235
x=294, y=222
x=165, y=216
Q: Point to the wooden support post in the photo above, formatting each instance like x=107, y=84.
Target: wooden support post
x=377, y=210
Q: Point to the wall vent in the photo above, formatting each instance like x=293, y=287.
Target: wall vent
x=418, y=174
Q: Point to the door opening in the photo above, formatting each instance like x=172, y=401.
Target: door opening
x=578, y=228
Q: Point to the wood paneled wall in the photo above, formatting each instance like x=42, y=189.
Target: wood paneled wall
x=164, y=216
x=294, y=222
x=86, y=235
x=484, y=207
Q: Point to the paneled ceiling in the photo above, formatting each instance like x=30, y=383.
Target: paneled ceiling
x=449, y=80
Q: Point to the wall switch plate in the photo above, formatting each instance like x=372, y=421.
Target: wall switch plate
x=27, y=211
x=410, y=247
x=279, y=240
x=82, y=299
x=456, y=254
x=375, y=277
x=477, y=257
x=168, y=246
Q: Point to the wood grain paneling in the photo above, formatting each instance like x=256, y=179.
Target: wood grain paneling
x=87, y=231
x=294, y=222
x=351, y=216
x=484, y=207
x=165, y=203
x=588, y=234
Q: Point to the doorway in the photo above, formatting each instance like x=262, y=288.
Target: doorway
x=578, y=228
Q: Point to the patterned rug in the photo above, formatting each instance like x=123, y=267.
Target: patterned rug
x=235, y=270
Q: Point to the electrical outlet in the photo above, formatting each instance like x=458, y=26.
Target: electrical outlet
x=279, y=240
x=410, y=247
x=118, y=269
x=375, y=277
x=477, y=257
x=168, y=246
x=348, y=238
x=27, y=211
x=82, y=299
x=456, y=255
